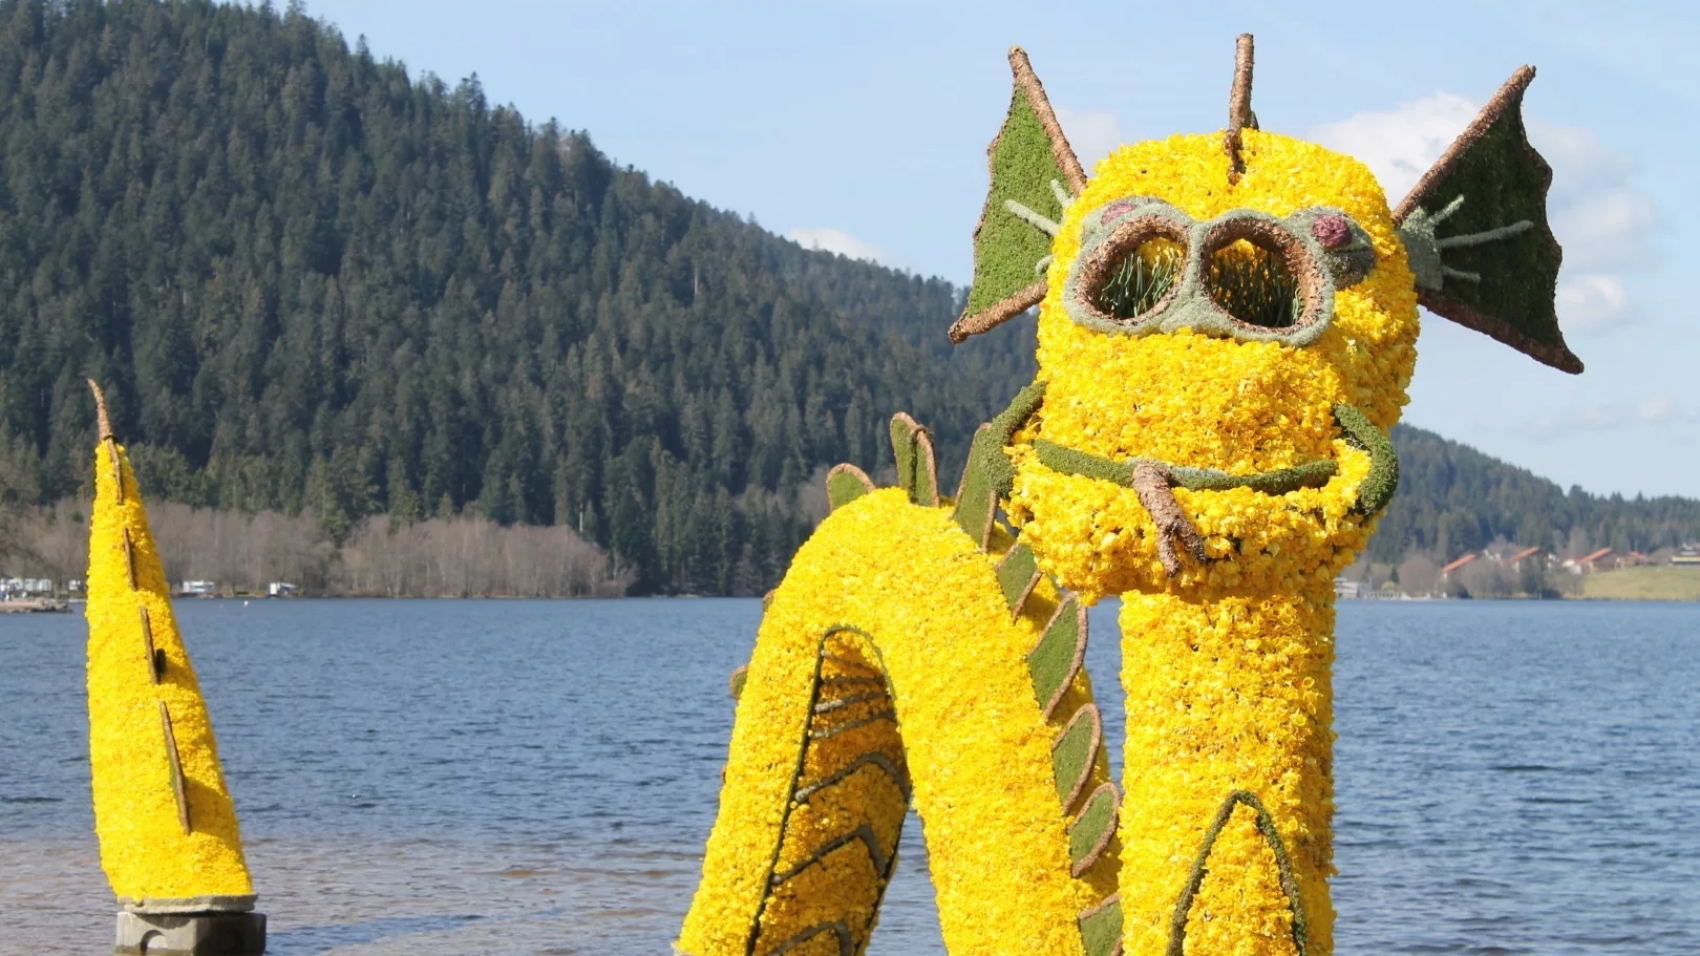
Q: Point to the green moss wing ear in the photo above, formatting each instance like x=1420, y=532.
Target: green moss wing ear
x=1034, y=174
x=1475, y=227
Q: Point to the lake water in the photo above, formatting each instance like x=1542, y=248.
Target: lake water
x=534, y=777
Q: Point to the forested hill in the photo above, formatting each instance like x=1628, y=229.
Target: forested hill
x=312, y=282
x=308, y=280
x=1453, y=499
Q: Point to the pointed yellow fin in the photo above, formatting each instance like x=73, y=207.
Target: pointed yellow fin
x=167, y=828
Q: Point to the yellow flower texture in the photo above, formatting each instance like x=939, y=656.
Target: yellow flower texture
x=167, y=828
x=1226, y=665
x=894, y=596
x=1223, y=695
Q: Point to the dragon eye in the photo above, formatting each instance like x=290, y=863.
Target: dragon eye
x=1136, y=271
x=1261, y=275
x=1141, y=279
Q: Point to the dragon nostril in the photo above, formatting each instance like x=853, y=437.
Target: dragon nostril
x=1331, y=231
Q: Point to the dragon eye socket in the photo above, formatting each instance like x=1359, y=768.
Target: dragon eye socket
x=1141, y=279
x=1262, y=276
x=1136, y=271
x=1253, y=284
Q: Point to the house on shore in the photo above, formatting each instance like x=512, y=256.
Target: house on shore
x=1446, y=572
x=1606, y=559
x=1535, y=557
x=25, y=589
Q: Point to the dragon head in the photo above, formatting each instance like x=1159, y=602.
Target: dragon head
x=1235, y=316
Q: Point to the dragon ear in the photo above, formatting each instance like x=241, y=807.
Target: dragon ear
x=1495, y=269
x=1034, y=171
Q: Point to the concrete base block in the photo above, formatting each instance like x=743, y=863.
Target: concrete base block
x=191, y=934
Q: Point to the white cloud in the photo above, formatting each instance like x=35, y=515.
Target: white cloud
x=1603, y=222
x=1582, y=160
x=1659, y=408
x=828, y=239
x=1399, y=145
x=1605, y=229
x=1094, y=134
x=1592, y=302
x=1652, y=410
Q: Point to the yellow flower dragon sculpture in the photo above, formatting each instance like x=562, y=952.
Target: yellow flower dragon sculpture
x=1227, y=324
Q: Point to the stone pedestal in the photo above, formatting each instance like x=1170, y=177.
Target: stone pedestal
x=191, y=934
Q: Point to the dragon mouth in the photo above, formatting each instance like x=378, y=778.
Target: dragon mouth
x=1154, y=481
x=1070, y=461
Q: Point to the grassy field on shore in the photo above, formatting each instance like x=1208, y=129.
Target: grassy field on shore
x=1644, y=584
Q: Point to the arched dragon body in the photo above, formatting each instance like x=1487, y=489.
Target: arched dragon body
x=1227, y=326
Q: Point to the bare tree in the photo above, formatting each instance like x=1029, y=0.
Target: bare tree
x=466, y=556
x=470, y=556
x=1419, y=574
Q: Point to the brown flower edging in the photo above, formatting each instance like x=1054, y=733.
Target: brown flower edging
x=1095, y=269
x=917, y=465
x=998, y=313
x=863, y=834
x=989, y=475
x=845, y=483
x=1509, y=97
x=1056, y=659
x=1315, y=288
x=1028, y=83
x=1075, y=752
x=1018, y=575
x=1101, y=927
x=899, y=775
x=1090, y=833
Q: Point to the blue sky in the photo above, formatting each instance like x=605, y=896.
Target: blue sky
x=862, y=127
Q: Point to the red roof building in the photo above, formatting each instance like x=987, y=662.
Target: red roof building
x=1599, y=560
x=1466, y=559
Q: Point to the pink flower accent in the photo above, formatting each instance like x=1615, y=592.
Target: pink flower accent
x=1331, y=231
x=1115, y=210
